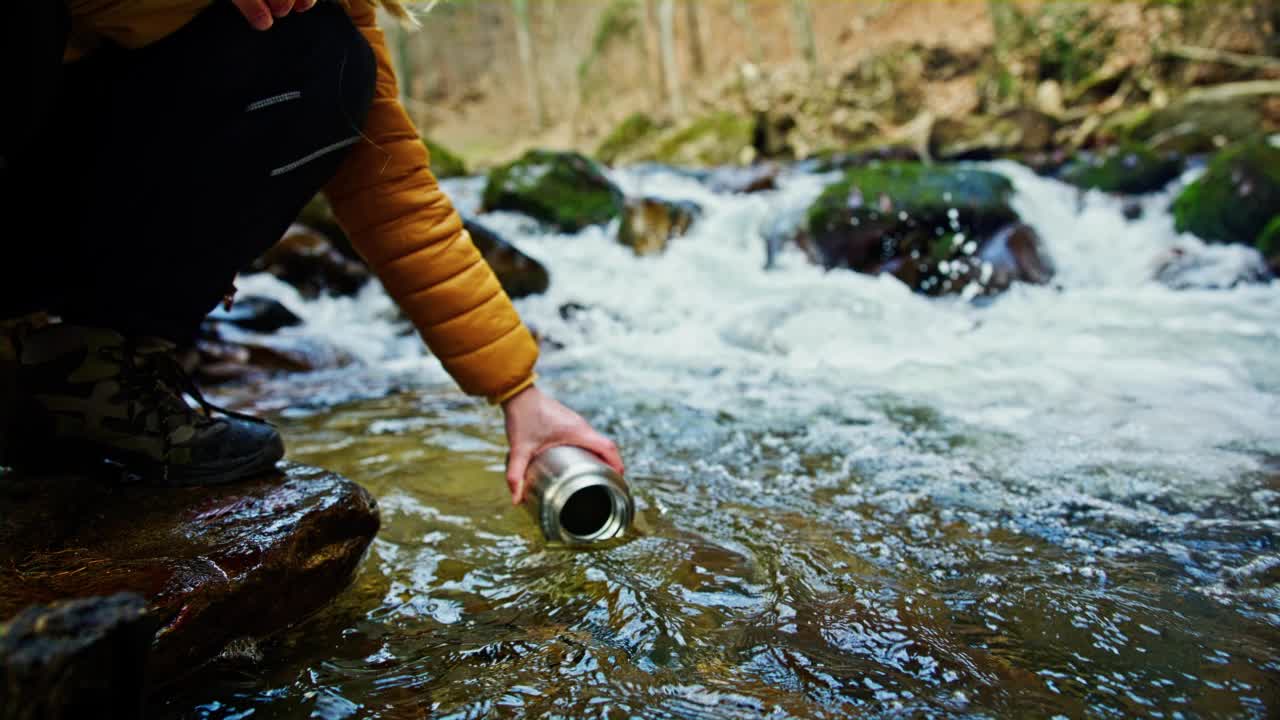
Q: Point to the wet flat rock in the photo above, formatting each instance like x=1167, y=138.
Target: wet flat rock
x=214, y=564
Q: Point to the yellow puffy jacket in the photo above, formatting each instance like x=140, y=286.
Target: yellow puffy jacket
x=391, y=206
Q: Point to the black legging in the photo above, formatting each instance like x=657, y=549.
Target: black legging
x=170, y=168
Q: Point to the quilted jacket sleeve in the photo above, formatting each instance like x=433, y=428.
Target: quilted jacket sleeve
x=391, y=206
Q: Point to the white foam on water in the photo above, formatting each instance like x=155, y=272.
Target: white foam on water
x=1103, y=366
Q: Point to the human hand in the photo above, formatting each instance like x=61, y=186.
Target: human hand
x=261, y=14
x=536, y=422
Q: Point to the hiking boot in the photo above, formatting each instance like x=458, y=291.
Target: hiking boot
x=99, y=395
x=11, y=332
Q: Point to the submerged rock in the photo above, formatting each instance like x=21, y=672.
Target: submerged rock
x=756, y=178
x=929, y=226
x=226, y=354
x=256, y=313
x=215, y=565
x=519, y=274
x=307, y=260
x=649, y=224
x=1210, y=267
x=1014, y=254
x=1236, y=198
x=1130, y=170
x=1131, y=209
x=563, y=189
x=76, y=659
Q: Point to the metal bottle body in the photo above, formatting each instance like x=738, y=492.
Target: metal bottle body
x=577, y=499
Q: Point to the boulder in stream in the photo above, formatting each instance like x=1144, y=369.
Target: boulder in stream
x=79, y=658
x=1012, y=254
x=1126, y=169
x=563, y=189
x=649, y=224
x=228, y=354
x=307, y=260
x=939, y=229
x=519, y=274
x=256, y=313
x=1237, y=197
x=214, y=565
x=756, y=178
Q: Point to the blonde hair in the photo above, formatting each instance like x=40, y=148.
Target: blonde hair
x=397, y=10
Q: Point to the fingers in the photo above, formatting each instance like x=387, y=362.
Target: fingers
x=256, y=12
x=517, y=464
x=280, y=8
x=606, y=449
x=304, y=5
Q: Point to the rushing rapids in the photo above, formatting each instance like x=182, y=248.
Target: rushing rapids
x=853, y=500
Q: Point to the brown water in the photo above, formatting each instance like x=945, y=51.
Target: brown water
x=765, y=584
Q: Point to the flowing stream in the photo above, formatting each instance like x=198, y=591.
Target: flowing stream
x=853, y=501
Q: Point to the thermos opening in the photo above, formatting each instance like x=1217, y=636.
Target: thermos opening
x=576, y=498
x=587, y=512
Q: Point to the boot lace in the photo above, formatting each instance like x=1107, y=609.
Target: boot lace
x=153, y=380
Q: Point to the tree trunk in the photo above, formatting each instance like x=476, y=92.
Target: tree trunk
x=404, y=68
x=695, y=37
x=802, y=21
x=524, y=41
x=653, y=54
x=667, y=41
x=742, y=13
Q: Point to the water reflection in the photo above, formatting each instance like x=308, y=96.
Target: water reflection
x=768, y=578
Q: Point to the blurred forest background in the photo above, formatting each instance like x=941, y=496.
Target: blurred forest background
x=725, y=81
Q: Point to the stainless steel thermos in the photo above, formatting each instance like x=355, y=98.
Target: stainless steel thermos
x=577, y=499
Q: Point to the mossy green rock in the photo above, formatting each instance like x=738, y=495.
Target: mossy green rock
x=1269, y=243
x=630, y=133
x=444, y=164
x=925, y=224
x=722, y=138
x=1236, y=199
x=563, y=189
x=1196, y=125
x=984, y=137
x=1131, y=170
